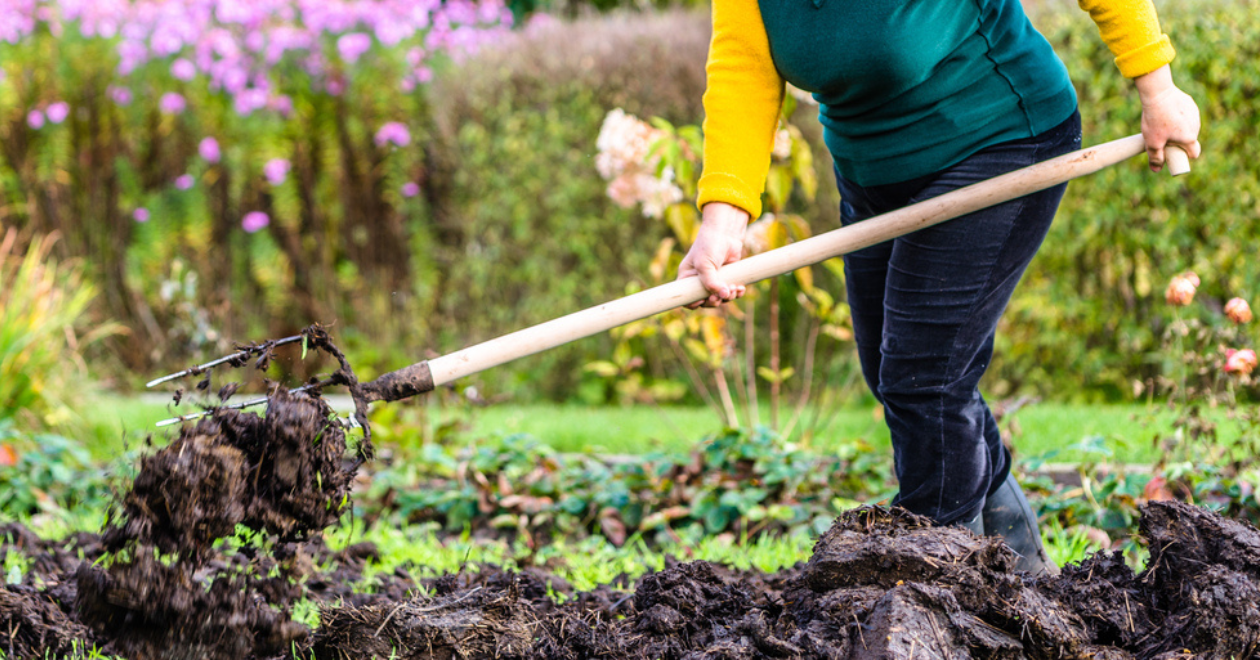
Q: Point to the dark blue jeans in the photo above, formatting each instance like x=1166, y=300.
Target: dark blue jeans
x=925, y=309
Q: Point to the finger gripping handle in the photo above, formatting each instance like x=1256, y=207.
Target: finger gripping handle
x=1177, y=160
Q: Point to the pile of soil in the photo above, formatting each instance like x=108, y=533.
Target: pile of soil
x=879, y=584
x=280, y=474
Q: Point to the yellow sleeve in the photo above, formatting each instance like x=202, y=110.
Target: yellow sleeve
x=741, y=108
x=1130, y=28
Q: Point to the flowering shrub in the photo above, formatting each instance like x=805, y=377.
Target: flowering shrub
x=238, y=47
x=626, y=161
x=262, y=142
x=1210, y=361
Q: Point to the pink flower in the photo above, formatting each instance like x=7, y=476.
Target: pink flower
x=120, y=95
x=276, y=170
x=171, y=103
x=282, y=104
x=1238, y=311
x=232, y=78
x=57, y=112
x=141, y=214
x=352, y=46
x=393, y=133
x=624, y=144
x=410, y=189
x=249, y=100
x=209, y=149
x=1240, y=362
x=254, y=220
x=35, y=119
x=1181, y=289
x=184, y=181
x=255, y=41
x=183, y=69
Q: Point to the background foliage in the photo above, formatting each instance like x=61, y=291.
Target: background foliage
x=508, y=222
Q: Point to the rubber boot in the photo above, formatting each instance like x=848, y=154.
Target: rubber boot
x=975, y=526
x=1007, y=514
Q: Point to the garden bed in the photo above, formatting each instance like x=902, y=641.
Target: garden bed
x=879, y=583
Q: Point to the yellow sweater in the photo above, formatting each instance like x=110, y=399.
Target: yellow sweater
x=745, y=87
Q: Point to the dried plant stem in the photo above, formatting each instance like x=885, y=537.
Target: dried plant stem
x=750, y=360
x=724, y=390
x=694, y=376
x=776, y=384
x=807, y=373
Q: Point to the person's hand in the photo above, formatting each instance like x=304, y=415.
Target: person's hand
x=1169, y=115
x=720, y=241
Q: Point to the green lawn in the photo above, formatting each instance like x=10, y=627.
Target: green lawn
x=1125, y=431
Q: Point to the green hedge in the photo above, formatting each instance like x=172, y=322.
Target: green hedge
x=524, y=231
x=1087, y=319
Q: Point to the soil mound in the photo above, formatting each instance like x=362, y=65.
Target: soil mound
x=281, y=474
x=150, y=610
x=880, y=583
x=35, y=626
x=481, y=622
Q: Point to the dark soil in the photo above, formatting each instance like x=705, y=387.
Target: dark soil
x=280, y=474
x=160, y=584
x=880, y=584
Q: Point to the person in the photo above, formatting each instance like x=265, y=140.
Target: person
x=916, y=98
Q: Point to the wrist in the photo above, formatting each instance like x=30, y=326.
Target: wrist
x=1151, y=86
x=721, y=215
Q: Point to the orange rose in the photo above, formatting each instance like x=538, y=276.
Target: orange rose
x=1181, y=289
x=1238, y=311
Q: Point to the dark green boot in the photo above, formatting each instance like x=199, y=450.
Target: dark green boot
x=975, y=526
x=1008, y=515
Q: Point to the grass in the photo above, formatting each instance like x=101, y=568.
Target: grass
x=1059, y=432
x=1124, y=430
x=584, y=563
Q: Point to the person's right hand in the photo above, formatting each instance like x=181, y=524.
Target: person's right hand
x=720, y=241
x=1169, y=116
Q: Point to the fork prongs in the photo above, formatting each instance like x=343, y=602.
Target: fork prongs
x=249, y=403
x=239, y=355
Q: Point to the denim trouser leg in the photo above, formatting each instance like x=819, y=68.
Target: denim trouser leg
x=925, y=308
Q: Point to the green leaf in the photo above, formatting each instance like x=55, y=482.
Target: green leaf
x=769, y=375
x=603, y=368
x=778, y=187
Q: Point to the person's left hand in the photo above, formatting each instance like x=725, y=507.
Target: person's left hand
x=1169, y=116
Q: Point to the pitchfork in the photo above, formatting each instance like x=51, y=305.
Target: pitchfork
x=425, y=376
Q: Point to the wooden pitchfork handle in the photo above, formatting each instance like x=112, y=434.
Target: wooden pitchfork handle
x=425, y=376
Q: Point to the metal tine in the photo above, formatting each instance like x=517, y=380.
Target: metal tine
x=238, y=406
x=227, y=358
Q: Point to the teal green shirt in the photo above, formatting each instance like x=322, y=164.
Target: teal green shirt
x=910, y=87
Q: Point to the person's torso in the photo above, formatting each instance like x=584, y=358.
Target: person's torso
x=907, y=87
